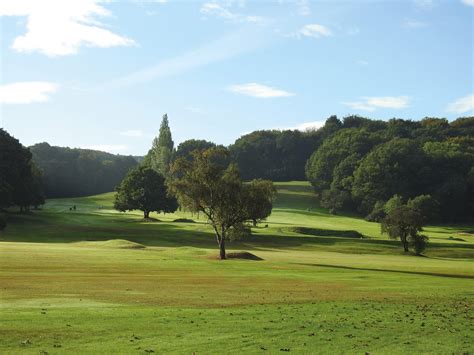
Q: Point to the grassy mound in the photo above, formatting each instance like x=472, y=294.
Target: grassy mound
x=327, y=232
x=243, y=255
x=118, y=244
x=184, y=220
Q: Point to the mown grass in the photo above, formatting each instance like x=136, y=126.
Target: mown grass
x=98, y=281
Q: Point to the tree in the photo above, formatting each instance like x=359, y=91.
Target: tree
x=19, y=178
x=261, y=194
x=427, y=206
x=161, y=153
x=394, y=202
x=404, y=223
x=185, y=148
x=144, y=189
x=209, y=184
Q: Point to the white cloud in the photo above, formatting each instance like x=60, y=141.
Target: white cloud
x=218, y=10
x=132, y=133
x=27, y=92
x=306, y=126
x=111, y=148
x=372, y=103
x=259, y=90
x=60, y=27
x=462, y=105
x=468, y=2
x=314, y=30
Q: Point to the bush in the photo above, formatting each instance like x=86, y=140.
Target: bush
x=3, y=222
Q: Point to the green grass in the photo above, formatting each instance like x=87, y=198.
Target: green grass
x=98, y=281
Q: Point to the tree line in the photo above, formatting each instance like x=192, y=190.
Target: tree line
x=20, y=178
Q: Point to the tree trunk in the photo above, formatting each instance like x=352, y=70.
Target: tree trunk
x=222, y=249
x=254, y=222
x=405, y=244
x=146, y=214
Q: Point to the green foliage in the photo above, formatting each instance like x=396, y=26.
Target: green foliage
x=70, y=172
x=373, y=160
x=240, y=231
x=405, y=223
x=20, y=179
x=161, y=153
x=394, y=202
x=186, y=148
x=274, y=155
x=260, y=195
x=208, y=184
x=144, y=189
x=419, y=242
x=427, y=206
x=378, y=212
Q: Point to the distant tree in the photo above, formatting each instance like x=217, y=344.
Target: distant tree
x=74, y=172
x=427, y=206
x=144, y=189
x=378, y=213
x=161, y=153
x=261, y=194
x=405, y=223
x=185, y=148
x=210, y=185
x=19, y=178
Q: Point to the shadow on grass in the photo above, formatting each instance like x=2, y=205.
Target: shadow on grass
x=388, y=270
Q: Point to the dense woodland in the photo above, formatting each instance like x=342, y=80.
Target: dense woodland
x=354, y=164
x=79, y=172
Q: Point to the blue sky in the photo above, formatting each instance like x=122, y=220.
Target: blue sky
x=87, y=73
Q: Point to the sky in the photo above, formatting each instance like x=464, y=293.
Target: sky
x=100, y=74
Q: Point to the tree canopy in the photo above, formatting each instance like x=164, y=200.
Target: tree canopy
x=211, y=185
x=144, y=189
x=161, y=153
x=20, y=179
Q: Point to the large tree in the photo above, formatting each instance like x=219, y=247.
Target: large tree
x=405, y=223
x=144, y=189
x=209, y=184
x=161, y=153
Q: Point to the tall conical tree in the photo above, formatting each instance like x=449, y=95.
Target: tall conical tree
x=160, y=155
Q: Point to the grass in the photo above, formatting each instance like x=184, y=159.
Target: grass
x=98, y=281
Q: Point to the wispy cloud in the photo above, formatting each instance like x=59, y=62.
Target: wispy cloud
x=424, y=4
x=468, y=2
x=362, y=62
x=462, y=105
x=259, y=90
x=315, y=31
x=224, y=48
x=306, y=126
x=224, y=12
x=27, y=92
x=58, y=27
x=111, y=148
x=414, y=24
x=132, y=133
x=303, y=8
x=372, y=103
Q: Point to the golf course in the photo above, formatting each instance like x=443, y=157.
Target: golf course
x=90, y=279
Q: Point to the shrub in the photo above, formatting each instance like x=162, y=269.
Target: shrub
x=427, y=206
x=419, y=242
